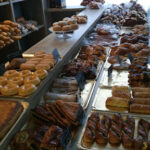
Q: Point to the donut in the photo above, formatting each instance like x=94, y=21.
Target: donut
x=66, y=28
x=74, y=26
x=62, y=23
x=32, y=79
x=66, y=19
x=25, y=73
x=9, y=89
x=42, y=66
x=27, y=89
x=3, y=80
x=26, y=66
x=11, y=73
x=41, y=73
x=0, y=87
x=57, y=28
x=72, y=21
x=16, y=80
x=56, y=23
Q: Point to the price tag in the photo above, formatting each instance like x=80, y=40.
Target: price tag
x=130, y=57
x=110, y=69
x=56, y=54
x=80, y=77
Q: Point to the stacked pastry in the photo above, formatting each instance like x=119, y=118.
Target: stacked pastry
x=116, y=130
x=65, y=88
x=90, y=51
x=44, y=137
x=86, y=2
x=125, y=14
x=60, y=113
x=67, y=24
x=26, y=26
x=120, y=97
x=123, y=50
x=9, y=32
x=134, y=38
x=82, y=19
x=41, y=60
x=22, y=83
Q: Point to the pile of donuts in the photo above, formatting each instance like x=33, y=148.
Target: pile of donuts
x=41, y=60
x=82, y=19
x=9, y=32
x=22, y=83
x=67, y=24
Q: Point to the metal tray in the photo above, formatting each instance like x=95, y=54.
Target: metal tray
x=108, y=146
x=116, y=78
x=100, y=100
x=6, y=140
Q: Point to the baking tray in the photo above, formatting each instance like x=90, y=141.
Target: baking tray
x=6, y=140
x=87, y=93
x=100, y=99
x=108, y=146
x=116, y=78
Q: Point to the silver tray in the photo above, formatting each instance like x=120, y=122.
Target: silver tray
x=108, y=146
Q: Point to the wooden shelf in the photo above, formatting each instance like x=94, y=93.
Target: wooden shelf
x=4, y=3
x=38, y=27
x=16, y=1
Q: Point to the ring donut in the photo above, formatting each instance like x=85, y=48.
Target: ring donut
x=32, y=79
x=11, y=73
x=9, y=89
x=16, y=80
x=3, y=80
x=41, y=73
x=27, y=89
x=25, y=73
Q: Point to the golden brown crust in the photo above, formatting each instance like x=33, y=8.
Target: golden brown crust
x=139, y=108
x=13, y=111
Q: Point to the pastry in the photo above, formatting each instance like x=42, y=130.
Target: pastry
x=32, y=79
x=9, y=89
x=26, y=66
x=16, y=80
x=57, y=28
x=41, y=73
x=139, y=108
x=67, y=28
x=8, y=116
x=117, y=102
x=3, y=80
x=26, y=89
x=11, y=73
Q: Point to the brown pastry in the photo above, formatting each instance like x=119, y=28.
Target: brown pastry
x=57, y=28
x=139, y=108
x=143, y=101
x=67, y=28
x=127, y=141
x=117, y=102
x=138, y=143
x=114, y=138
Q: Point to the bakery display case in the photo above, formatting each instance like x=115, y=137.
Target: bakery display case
x=92, y=90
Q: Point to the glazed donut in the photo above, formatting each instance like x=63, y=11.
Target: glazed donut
x=66, y=28
x=32, y=79
x=16, y=80
x=26, y=66
x=11, y=73
x=3, y=80
x=9, y=89
x=27, y=89
x=74, y=26
x=25, y=73
x=57, y=28
x=42, y=66
x=41, y=73
x=62, y=23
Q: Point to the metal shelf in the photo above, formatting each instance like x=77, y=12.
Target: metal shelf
x=38, y=27
x=17, y=1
